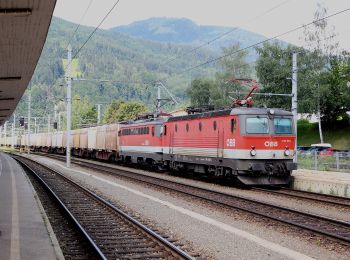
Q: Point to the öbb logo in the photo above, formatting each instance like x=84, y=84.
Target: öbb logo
x=271, y=144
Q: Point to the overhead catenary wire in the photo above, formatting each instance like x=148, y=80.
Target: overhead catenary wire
x=263, y=41
x=90, y=36
x=221, y=35
x=79, y=24
x=216, y=38
x=93, y=32
x=76, y=28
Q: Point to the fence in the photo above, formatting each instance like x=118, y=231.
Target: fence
x=319, y=161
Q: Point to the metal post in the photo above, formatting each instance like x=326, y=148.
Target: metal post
x=48, y=123
x=158, y=98
x=5, y=129
x=59, y=121
x=69, y=103
x=98, y=114
x=337, y=160
x=55, y=113
x=29, y=101
x=295, y=101
x=316, y=163
x=35, y=125
x=13, y=131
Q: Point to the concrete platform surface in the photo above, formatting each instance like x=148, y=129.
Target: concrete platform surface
x=23, y=233
x=325, y=182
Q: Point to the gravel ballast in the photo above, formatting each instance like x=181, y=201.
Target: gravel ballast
x=207, y=229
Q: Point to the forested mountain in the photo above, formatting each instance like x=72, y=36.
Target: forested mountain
x=185, y=31
x=129, y=64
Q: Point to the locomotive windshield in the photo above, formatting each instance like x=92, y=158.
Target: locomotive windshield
x=257, y=125
x=282, y=125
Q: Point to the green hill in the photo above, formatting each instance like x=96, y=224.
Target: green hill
x=130, y=65
x=185, y=31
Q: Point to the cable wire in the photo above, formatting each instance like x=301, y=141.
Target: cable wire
x=264, y=41
x=93, y=32
x=219, y=36
x=79, y=24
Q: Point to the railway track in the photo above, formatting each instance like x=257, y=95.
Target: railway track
x=335, y=229
x=323, y=198
x=311, y=196
x=110, y=233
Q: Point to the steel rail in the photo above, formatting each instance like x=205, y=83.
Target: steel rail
x=90, y=241
x=179, y=253
x=265, y=213
x=324, y=198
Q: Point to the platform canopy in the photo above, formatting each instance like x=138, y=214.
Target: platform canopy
x=23, y=29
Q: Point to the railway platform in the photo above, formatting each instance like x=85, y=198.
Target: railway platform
x=325, y=182
x=23, y=233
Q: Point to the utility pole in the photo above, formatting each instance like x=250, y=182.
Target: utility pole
x=159, y=85
x=295, y=101
x=35, y=125
x=158, y=98
x=319, y=114
x=69, y=103
x=55, y=114
x=5, y=130
x=13, y=131
x=48, y=123
x=29, y=105
x=98, y=114
x=59, y=121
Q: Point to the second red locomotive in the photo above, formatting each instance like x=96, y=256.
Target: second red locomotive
x=254, y=145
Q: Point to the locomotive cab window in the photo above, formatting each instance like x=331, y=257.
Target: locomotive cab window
x=283, y=125
x=152, y=130
x=164, y=130
x=257, y=125
x=214, y=125
x=233, y=125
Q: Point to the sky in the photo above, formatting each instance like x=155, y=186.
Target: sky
x=266, y=17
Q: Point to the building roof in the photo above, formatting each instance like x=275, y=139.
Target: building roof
x=24, y=25
x=232, y=111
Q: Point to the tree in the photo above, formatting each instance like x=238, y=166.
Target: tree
x=320, y=41
x=234, y=63
x=217, y=92
x=120, y=110
x=111, y=114
x=83, y=112
x=200, y=92
x=336, y=88
x=273, y=69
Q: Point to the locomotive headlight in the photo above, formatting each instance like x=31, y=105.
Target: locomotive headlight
x=287, y=152
x=272, y=112
x=253, y=152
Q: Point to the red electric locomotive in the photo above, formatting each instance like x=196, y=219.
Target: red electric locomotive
x=254, y=145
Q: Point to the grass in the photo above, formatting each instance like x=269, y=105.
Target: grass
x=7, y=149
x=339, y=137
x=75, y=67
